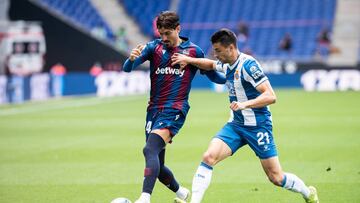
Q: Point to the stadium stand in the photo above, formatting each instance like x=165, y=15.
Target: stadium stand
x=144, y=12
x=268, y=22
x=80, y=12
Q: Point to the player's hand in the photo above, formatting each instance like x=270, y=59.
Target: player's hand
x=180, y=59
x=236, y=106
x=136, y=52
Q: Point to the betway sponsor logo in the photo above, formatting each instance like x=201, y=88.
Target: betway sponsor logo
x=171, y=71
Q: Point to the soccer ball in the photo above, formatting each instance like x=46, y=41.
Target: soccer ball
x=121, y=200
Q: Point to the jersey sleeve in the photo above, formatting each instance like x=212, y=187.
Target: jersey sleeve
x=216, y=76
x=253, y=72
x=220, y=67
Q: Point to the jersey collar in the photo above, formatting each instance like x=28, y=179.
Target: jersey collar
x=185, y=42
x=235, y=63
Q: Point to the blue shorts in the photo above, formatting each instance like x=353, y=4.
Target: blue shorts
x=259, y=138
x=168, y=118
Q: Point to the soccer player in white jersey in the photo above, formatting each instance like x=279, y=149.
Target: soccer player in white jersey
x=250, y=123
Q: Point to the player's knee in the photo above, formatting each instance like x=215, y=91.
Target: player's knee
x=147, y=150
x=209, y=159
x=276, y=178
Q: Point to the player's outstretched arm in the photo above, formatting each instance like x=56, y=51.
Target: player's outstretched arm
x=216, y=77
x=202, y=63
x=266, y=97
x=134, y=59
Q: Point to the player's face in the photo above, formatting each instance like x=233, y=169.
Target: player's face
x=222, y=53
x=170, y=37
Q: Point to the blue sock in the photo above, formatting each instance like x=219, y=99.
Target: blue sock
x=154, y=145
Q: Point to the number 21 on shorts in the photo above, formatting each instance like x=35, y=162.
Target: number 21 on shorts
x=263, y=138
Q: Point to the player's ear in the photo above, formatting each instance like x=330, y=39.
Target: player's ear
x=228, y=47
x=232, y=47
x=178, y=29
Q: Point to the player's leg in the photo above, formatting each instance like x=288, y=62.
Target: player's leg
x=261, y=140
x=155, y=143
x=168, y=123
x=223, y=145
x=288, y=181
x=167, y=178
x=217, y=151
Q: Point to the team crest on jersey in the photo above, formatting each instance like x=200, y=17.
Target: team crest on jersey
x=185, y=52
x=236, y=75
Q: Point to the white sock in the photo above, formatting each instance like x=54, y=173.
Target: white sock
x=182, y=193
x=201, y=182
x=145, y=196
x=295, y=184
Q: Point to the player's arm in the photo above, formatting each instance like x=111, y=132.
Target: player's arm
x=202, y=63
x=266, y=97
x=254, y=74
x=206, y=65
x=216, y=76
x=135, y=59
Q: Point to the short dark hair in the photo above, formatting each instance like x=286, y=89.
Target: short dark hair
x=224, y=37
x=167, y=20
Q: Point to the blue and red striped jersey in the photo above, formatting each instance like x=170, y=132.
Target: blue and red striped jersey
x=170, y=86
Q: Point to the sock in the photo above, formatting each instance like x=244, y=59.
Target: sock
x=182, y=193
x=151, y=151
x=166, y=177
x=295, y=184
x=145, y=196
x=201, y=182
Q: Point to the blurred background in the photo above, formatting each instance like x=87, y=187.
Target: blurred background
x=55, y=48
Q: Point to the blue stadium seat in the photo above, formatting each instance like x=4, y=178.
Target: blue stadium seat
x=268, y=21
x=145, y=11
x=81, y=12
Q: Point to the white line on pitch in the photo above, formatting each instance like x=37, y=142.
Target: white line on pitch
x=65, y=103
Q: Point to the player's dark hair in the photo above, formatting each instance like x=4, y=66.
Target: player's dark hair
x=225, y=37
x=167, y=20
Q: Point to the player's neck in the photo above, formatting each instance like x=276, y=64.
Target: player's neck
x=235, y=58
x=179, y=41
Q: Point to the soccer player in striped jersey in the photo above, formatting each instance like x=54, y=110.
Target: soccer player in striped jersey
x=168, y=105
x=250, y=123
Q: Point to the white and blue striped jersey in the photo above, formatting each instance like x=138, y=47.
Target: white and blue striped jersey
x=242, y=78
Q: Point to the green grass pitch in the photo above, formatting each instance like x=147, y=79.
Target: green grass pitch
x=89, y=150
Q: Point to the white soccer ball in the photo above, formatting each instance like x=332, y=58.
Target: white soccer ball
x=121, y=200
